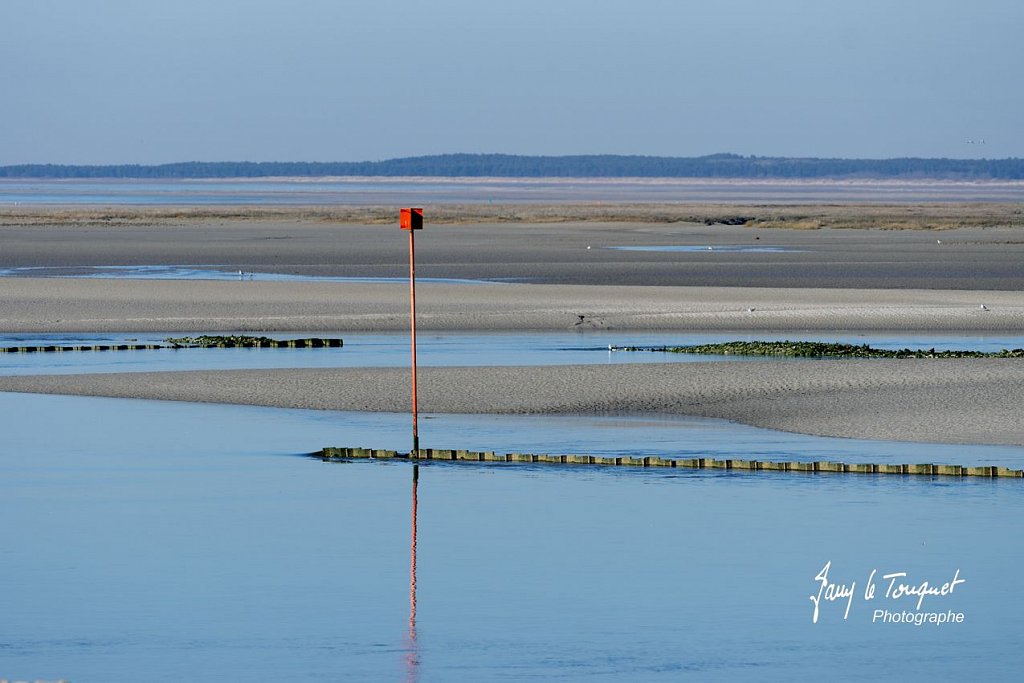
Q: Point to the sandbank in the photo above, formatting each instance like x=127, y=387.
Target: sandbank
x=561, y=276
x=575, y=253
x=67, y=305
x=930, y=400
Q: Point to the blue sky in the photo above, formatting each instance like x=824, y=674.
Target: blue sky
x=127, y=81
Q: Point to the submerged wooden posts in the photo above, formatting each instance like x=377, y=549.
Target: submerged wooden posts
x=820, y=466
x=187, y=343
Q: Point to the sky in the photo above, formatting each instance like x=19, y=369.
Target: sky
x=158, y=81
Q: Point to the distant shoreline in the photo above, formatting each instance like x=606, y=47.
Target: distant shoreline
x=539, y=180
x=574, y=166
x=829, y=212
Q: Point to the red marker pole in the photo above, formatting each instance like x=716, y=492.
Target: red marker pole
x=412, y=220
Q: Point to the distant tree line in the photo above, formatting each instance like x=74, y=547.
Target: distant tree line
x=582, y=166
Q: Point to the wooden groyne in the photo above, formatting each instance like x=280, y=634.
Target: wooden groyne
x=97, y=347
x=425, y=454
x=312, y=343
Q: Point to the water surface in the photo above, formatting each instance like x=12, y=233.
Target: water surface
x=726, y=248
x=206, y=272
x=440, y=349
x=165, y=542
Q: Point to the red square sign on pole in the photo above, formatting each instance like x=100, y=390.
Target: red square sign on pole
x=411, y=219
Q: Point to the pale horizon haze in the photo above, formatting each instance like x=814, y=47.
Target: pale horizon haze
x=120, y=81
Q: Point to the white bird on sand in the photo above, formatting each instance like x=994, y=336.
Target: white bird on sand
x=983, y=307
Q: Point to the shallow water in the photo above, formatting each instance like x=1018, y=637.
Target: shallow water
x=205, y=272
x=166, y=541
x=439, y=349
x=728, y=248
x=170, y=541
x=80, y=424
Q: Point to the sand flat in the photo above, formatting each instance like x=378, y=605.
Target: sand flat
x=958, y=258
x=968, y=401
x=73, y=305
x=957, y=280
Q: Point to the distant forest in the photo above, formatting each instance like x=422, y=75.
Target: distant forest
x=583, y=166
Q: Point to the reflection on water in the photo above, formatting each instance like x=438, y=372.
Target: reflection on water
x=413, y=656
x=159, y=541
x=80, y=423
x=685, y=437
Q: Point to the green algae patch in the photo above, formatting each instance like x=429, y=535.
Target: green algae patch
x=806, y=349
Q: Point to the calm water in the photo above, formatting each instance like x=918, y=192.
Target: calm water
x=167, y=541
x=406, y=191
x=204, y=272
x=728, y=248
x=435, y=349
x=170, y=541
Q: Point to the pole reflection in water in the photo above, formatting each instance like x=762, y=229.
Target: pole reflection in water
x=412, y=657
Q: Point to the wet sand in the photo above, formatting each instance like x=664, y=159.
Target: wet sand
x=975, y=258
x=938, y=400
x=59, y=305
x=968, y=279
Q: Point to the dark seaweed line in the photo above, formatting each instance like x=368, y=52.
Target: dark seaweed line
x=803, y=349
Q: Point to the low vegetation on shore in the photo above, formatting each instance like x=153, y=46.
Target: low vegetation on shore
x=939, y=216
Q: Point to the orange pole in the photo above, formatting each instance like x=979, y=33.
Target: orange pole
x=412, y=299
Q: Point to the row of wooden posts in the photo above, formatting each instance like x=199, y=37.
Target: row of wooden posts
x=312, y=343
x=448, y=455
